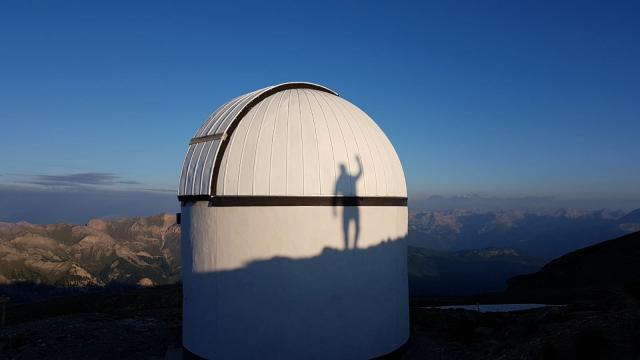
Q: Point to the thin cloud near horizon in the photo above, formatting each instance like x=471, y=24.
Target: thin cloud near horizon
x=86, y=178
x=79, y=181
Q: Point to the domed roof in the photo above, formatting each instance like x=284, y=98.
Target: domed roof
x=292, y=139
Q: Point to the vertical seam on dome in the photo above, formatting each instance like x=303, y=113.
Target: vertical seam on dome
x=211, y=146
x=366, y=140
x=255, y=158
x=326, y=123
x=204, y=127
x=224, y=114
x=196, y=165
x=376, y=147
x=220, y=112
x=385, y=157
x=301, y=137
x=363, y=169
x=232, y=114
x=185, y=169
x=315, y=132
x=214, y=116
x=273, y=134
x=189, y=167
x=390, y=155
x=226, y=166
x=228, y=112
x=402, y=181
x=244, y=144
x=203, y=166
x=382, y=154
x=232, y=140
x=394, y=161
x=286, y=153
x=346, y=149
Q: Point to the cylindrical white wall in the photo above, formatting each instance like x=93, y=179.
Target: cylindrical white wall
x=277, y=281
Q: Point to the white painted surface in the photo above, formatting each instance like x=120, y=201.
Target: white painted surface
x=293, y=282
x=293, y=142
x=276, y=282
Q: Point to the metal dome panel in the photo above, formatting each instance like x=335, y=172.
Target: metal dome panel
x=293, y=139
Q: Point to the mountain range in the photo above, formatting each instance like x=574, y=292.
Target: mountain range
x=457, y=252
x=135, y=251
x=539, y=235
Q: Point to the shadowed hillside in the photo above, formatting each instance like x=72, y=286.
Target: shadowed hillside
x=600, y=269
x=470, y=272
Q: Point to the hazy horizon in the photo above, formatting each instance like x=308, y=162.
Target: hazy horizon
x=41, y=205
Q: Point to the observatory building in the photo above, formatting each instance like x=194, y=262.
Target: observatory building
x=294, y=219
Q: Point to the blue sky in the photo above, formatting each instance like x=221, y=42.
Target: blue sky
x=491, y=98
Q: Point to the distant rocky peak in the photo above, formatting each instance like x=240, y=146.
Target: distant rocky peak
x=97, y=224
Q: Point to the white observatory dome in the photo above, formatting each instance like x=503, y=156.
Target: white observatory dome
x=290, y=140
x=293, y=224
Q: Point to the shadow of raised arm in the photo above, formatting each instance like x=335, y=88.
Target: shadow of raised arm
x=359, y=173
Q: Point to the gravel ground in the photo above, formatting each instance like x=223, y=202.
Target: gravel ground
x=88, y=336
x=146, y=324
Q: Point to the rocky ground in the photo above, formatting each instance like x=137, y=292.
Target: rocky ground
x=573, y=332
x=146, y=323
x=84, y=336
x=138, y=324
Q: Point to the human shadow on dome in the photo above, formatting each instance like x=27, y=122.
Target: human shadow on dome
x=336, y=305
x=346, y=186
